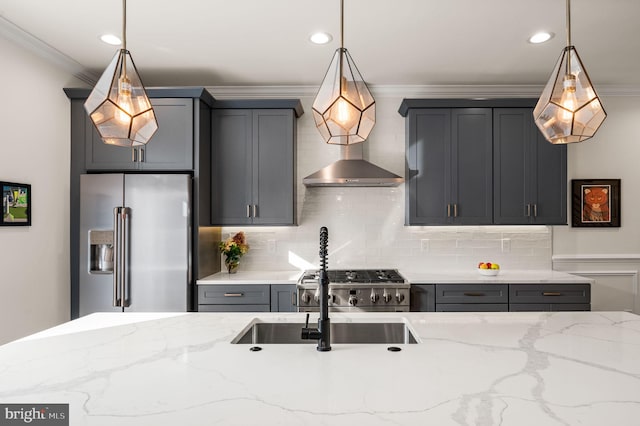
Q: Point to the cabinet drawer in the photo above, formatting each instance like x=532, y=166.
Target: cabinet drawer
x=550, y=293
x=257, y=294
x=472, y=293
x=548, y=307
x=472, y=307
x=233, y=308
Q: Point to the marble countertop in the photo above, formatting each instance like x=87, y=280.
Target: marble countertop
x=528, y=276
x=437, y=277
x=562, y=368
x=252, y=277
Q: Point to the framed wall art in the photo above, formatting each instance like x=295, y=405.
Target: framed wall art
x=16, y=204
x=595, y=203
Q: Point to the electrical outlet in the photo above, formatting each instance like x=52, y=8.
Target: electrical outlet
x=424, y=245
x=506, y=245
x=271, y=246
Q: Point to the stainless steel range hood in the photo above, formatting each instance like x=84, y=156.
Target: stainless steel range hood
x=352, y=170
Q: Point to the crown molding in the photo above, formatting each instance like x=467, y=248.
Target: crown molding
x=411, y=91
x=29, y=42
x=33, y=44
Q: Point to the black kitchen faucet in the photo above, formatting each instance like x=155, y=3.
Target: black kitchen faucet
x=323, y=332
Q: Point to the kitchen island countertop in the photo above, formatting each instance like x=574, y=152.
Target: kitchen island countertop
x=561, y=368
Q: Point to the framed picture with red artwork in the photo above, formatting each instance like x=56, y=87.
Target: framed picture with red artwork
x=595, y=203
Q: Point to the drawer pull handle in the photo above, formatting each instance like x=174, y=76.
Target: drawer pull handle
x=473, y=294
x=548, y=293
x=233, y=294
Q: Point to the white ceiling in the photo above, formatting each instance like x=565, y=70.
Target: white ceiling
x=399, y=42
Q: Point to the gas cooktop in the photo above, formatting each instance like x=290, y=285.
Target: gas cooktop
x=356, y=276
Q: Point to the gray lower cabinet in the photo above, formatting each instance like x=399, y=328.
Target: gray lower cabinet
x=253, y=161
x=449, y=166
x=530, y=174
x=548, y=307
x=423, y=298
x=500, y=297
x=170, y=148
x=549, y=297
x=283, y=298
x=234, y=298
x=247, y=298
x=472, y=297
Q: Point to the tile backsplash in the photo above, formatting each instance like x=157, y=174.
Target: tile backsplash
x=366, y=230
x=366, y=225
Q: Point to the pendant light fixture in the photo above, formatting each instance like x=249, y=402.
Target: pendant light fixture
x=118, y=105
x=569, y=110
x=344, y=109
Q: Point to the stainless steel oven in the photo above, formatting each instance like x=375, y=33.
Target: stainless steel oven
x=356, y=290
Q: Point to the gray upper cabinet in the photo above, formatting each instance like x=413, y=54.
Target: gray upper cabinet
x=171, y=148
x=449, y=166
x=530, y=174
x=253, y=164
x=479, y=162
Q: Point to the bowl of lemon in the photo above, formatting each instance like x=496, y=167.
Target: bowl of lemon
x=488, y=268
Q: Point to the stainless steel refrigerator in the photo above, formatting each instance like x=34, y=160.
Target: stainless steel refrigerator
x=135, y=242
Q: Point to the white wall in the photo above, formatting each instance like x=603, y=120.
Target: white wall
x=614, y=153
x=610, y=256
x=34, y=149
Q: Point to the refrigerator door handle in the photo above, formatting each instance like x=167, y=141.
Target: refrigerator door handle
x=126, y=236
x=116, y=256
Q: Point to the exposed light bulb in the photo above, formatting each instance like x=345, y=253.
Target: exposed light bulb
x=568, y=101
x=124, y=103
x=343, y=117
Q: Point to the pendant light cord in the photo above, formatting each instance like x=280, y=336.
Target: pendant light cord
x=124, y=24
x=568, y=71
x=341, y=24
x=568, y=22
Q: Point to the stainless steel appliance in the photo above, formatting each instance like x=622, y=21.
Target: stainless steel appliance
x=135, y=242
x=365, y=290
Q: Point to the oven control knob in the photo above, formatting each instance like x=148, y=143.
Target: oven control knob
x=353, y=300
x=306, y=298
x=386, y=296
x=399, y=296
x=374, y=296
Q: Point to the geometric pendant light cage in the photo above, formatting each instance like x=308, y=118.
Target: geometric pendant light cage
x=344, y=109
x=118, y=105
x=569, y=109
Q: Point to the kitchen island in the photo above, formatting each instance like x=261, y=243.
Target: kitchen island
x=562, y=368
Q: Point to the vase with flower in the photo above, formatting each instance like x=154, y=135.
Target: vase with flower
x=233, y=248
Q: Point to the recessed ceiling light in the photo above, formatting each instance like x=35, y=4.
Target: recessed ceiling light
x=111, y=39
x=540, y=37
x=320, y=38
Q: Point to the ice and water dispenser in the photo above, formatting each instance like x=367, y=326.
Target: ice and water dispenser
x=101, y=252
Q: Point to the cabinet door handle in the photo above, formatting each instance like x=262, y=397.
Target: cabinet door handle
x=473, y=294
x=455, y=210
x=549, y=293
x=142, y=160
x=528, y=210
x=233, y=294
x=535, y=210
x=134, y=155
x=448, y=210
x=248, y=210
x=294, y=298
x=255, y=210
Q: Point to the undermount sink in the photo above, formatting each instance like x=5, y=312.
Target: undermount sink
x=258, y=332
